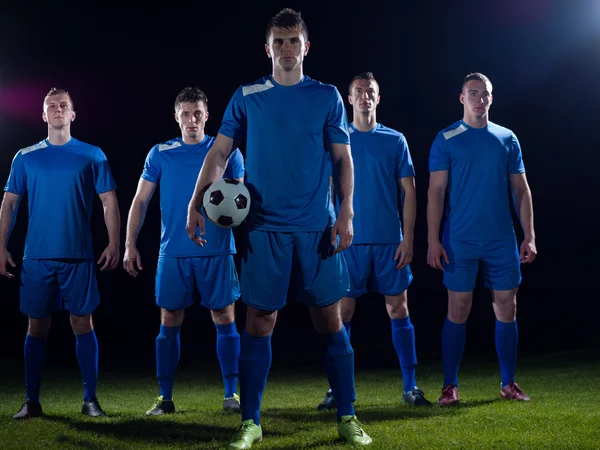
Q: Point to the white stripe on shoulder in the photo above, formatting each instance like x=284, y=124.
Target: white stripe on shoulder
x=350, y=130
x=33, y=148
x=451, y=133
x=163, y=147
x=255, y=88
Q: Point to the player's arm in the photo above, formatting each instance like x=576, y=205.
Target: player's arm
x=438, y=181
x=135, y=220
x=110, y=257
x=341, y=156
x=8, y=214
x=524, y=206
x=404, y=253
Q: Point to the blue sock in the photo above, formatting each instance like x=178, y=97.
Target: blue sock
x=167, y=358
x=86, y=348
x=228, y=352
x=347, y=327
x=507, y=339
x=255, y=363
x=454, y=336
x=339, y=368
x=35, y=356
x=403, y=338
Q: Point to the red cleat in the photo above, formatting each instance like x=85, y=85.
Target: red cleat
x=449, y=395
x=513, y=391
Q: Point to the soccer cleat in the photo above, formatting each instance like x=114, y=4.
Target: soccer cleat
x=328, y=402
x=449, y=395
x=29, y=410
x=92, y=408
x=232, y=404
x=161, y=406
x=351, y=430
x=247, y=434
x=513, y=391
x=415, y=397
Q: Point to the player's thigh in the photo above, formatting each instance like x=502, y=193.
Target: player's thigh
x=386, y=279
x=39, y=288
x=174, y=283
x=463, y=263
x=358, y=262
x=78, y=286
x=217, y=281
x=501, y=267
x=266, y=269
x=321, y=275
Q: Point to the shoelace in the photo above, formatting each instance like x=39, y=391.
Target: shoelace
x=242, y=430
x=354, y=425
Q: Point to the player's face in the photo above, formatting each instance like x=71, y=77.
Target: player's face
x=58, y=111
x=364, y=96
x=191, y=118
x=476, y=98
x=287, y=48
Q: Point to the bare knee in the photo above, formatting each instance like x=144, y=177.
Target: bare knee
x=39, y=327
x=223, y=316
x=171, y=318
x=260, y=323
x=82, y=324
x=505, y=305
x=347, y=307
x=397, y=305
x=328, y=319
x=459, y=306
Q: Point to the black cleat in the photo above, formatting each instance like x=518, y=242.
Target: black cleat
x=232, y=404
x=161, y=407
x=328, y=402
x=92, y=408
x=29, y=410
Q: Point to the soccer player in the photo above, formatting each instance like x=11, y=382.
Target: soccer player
x=175, y=165
x=60, y=175
x=473, y=164
x=288, y=121
x=379, y=254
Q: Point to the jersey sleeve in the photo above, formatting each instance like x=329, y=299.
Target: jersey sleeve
x=235, y=166
x=234, y=119
x=152, y=170
x=17, y=179
x=404, y=164
x=336, y=126
x=439, y=157
x=103, y=179
x=515, y=158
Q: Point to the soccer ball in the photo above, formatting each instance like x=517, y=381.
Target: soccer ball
x=226, y=202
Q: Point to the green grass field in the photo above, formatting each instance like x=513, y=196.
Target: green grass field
x=564, y=412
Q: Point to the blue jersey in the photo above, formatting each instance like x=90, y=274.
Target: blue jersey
x=61, y=181
x=479, y=162
x=176, y=165
x=288, y=130
x=381, y=157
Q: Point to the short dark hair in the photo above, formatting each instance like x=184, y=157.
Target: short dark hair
x=59, y=91
x=190, y=95
x=288, y=19
x=363, y=76
x=475, y=76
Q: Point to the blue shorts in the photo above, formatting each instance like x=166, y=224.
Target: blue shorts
x=49, y=285
x=375, y=264
x=499, y=261
x=215, y=277
x=270, y=259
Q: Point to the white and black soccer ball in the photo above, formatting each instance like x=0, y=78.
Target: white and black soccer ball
x=226, y=202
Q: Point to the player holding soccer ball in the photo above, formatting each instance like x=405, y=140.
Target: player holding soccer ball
x=285, y=119
x=175, y=165
x=475, y=162
x=379, y=253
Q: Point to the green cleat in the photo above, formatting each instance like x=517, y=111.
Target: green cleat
x=247, y=434
x=351, y=430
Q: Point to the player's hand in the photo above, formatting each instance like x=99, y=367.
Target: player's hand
x=528, y=251
x=195, y=219
x=404, y=253
x=5, y=260
x=131, y=259
x=343, y=228
x=109, y=257
x=435, y=253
